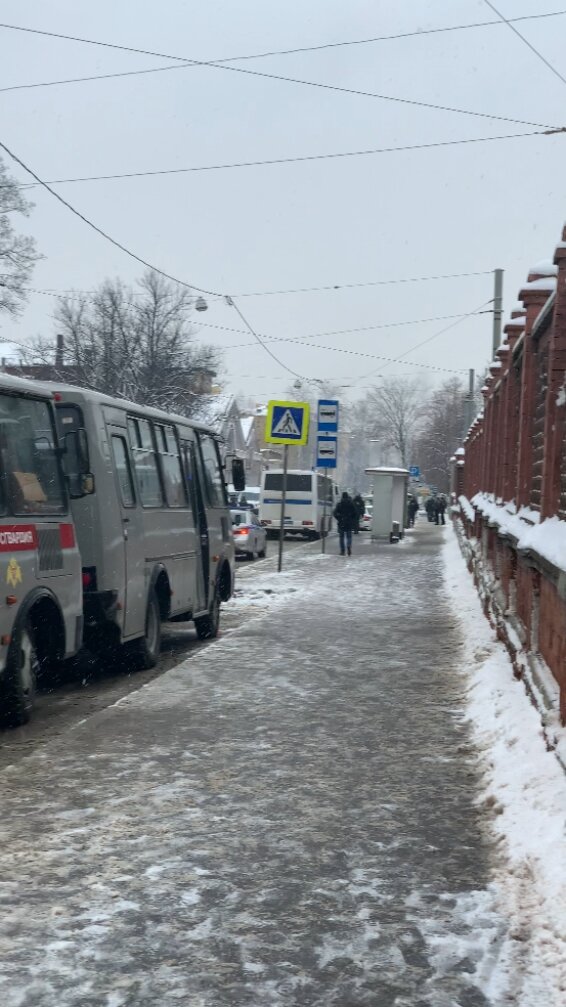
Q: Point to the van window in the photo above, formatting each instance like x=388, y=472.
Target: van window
x=145, y=462
x=295, y=483
x=123, y=470
x=31, y=477
x=213, y=478
x=170, y=465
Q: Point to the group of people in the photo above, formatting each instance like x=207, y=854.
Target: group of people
x=348, y=513
x=436, y=508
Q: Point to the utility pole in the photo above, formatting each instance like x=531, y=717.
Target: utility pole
x=497, y=309
x=469, y=405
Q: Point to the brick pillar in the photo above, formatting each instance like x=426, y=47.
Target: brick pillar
x=555, y=414
x=504, y=423
x=534, y=299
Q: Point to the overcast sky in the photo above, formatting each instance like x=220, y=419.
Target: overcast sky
x=386, y=216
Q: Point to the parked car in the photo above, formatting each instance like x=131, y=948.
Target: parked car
x=249, y=499
x=365, y=520
x=249, y=536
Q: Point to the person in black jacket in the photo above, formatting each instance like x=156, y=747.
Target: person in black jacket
x=346, y=516
x=359, y=504
x=412, y=510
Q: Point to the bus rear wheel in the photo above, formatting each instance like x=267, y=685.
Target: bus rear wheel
x=20, y=676
x=145, y=651
x=207, y=625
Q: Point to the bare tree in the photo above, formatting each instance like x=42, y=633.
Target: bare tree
x=394, y=413
x=132, y=343
x=442, y=432
x=18, y=253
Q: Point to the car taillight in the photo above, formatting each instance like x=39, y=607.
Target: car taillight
x=242, y=530
x=89, y=578
x=308, y=522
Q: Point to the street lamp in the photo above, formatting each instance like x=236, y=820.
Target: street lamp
x=200, y=304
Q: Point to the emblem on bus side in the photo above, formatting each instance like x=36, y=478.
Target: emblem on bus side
x=13, y=573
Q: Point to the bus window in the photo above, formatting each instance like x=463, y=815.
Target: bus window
x=29, y=466
x=296, y=482
x=170, y=465
x=213, y=478
x=145, y=462
x=123, y=470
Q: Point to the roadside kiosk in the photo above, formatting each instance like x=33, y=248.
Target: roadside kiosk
x=389, y=489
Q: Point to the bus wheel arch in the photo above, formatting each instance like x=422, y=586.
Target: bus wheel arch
x=162, y=588
x=37, y=641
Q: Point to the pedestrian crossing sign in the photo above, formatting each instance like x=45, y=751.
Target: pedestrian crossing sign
x=287, y=423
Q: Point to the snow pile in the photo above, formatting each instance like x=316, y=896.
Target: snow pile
x=467, y=508
x=547, y=538
x=526, y=791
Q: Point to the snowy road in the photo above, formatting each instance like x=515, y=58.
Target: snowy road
x=88, y=687
x=289, y=818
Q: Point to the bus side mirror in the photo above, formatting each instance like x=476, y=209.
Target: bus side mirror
x=238, y=475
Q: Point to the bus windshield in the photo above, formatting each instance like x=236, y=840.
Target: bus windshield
x=30, y=477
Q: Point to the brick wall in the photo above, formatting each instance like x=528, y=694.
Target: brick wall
x=516, y=451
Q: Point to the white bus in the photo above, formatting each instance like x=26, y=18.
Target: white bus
x=155, y=535
x=304, y=503
x=41, y=612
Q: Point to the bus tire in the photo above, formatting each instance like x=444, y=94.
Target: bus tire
x=147, y=648
x=20, y=676
x=207, y=625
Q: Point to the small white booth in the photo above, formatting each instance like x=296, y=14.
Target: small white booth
x=389, y=486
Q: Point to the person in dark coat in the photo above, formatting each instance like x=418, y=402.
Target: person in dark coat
x=359, y=504
x=440, y=509
x=346, y=517
x=430, y=508
x=412, y=509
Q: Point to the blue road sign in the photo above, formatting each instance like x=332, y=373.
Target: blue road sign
x=326, y=451
x=414, y=471
x=328, y=415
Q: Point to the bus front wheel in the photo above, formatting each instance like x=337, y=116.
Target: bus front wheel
x=20, y=677
x=207, y=625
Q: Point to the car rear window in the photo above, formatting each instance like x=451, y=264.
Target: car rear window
x=238, y=516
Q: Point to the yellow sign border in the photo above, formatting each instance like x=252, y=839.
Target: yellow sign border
x=303, y=439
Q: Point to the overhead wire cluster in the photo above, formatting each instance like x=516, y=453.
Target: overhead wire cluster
x=226, y=66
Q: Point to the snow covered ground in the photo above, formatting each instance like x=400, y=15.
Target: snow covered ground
x=525, y=787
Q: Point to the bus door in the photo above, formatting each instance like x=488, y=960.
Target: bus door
x=201, y=524
x=130, y=531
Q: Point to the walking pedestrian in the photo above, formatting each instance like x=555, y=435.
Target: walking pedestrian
x=359, y=504
x=346, y=517
x=429, y=507
x=440, y=509
x=412, y=510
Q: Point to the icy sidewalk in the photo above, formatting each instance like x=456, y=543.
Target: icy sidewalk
x=526, y=790
x=290, y=817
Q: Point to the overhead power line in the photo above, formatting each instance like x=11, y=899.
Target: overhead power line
x=299, y=290
x=538, y=54
x=353, y=331
x=80, y=295
x=365, y=283
x=335, y=155
x=132, y=255
x=267, y=76
x=280, y=52
x=417, y=346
